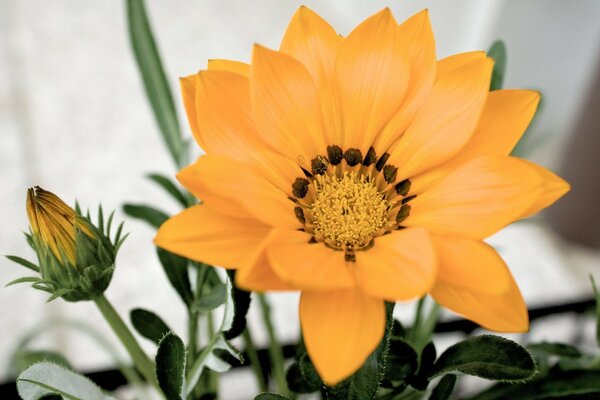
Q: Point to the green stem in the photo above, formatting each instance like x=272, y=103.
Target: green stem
x=139, y=358
x=254, y=361
x=213, y=377
x=275, y=350
x=416, y=326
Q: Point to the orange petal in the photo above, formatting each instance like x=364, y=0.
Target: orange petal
x=477, y=199
x=237, y=67
x=400, y=266
x=371, y=74
x=341, y=329
x=257, y=275
x=447, y=119
x=471, y=264
x=417, y=35
x=237, y=190
x=313, y=42
x=553, y=188
x=500, y=312
x=188, y=93
x=286, y=105
x=308, y=266
x=203, y=234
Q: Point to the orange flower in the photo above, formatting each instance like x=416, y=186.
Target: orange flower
x=359, y=170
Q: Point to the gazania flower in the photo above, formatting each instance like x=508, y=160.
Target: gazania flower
x=359, y=169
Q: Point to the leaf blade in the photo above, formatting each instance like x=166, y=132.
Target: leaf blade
x=170, y=366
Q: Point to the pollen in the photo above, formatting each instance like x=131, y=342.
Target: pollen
x=348, y=210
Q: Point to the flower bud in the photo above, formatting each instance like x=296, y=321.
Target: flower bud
x=76, y=258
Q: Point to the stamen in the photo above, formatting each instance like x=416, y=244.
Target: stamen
x=353, y=157
x=335, y=154
x=300, y=187
x=319, y=165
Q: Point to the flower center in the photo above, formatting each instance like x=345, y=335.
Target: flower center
x=348, y=210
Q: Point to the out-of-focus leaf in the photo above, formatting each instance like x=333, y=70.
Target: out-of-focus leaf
x=154, y=79
x=176, y=269
x=556, y=349
x=597, y=296
x=241, y=304
x=270, y=396
x=24, y=358
x=148, y=214
x=216, y=296
x=444, y=388
x=169, y=186
x=498, y=52
x=148, y=324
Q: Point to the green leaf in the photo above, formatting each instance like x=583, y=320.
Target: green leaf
x=302, y=377
x=211, y=300
x=148, y=324
x=25, y=279
x=498, y=52
x=363, y=384
x=270, y=396
x=241, y=304
x=23, y=262
x=176, y=269
x=24, y=358
x=145, y=213
x=170, y=366
x=155, y=81
x=556, y=349
x=402, y=360
x=487, y=356
x=444, y=388
x=44, y=379
x=557, y=385
x=170, y=187
x=597, y=296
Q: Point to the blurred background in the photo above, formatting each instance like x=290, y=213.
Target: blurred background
x=74, y=119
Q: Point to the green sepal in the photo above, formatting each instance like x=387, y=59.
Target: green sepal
x=364, y=383
x=148, y=324
x=25, y=279
x=23, y=262
x=497, y=51
x=148, y=214
x=176, y=269
x=489, y=357
x=170, y=366
x=241, y=304
x=444, y=388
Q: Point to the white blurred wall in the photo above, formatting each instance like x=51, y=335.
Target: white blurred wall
x=74, y=119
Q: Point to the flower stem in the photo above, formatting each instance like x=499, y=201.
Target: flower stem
x=139, y=358
x=254, y=361
x=275, y=350
x=416, y=326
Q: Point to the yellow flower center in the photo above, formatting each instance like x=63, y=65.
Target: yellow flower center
x=347, y=210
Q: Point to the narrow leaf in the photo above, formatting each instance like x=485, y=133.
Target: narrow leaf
x=25, y=279
x=44, y=379
x=145, y=213
x=212, y=299
x=488, y=357
x=444, y=388
x=170, y=187
x=597, y=296
x=155, y=82
x=270, y=396
x=170, y=366
x=176, y=269
x=24, y=263
x=498, y=52
x=556, y=349
x=241, y=304
x=148, y=324
x=402, y=360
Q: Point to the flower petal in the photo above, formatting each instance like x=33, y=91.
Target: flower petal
x=188, y=86
x=237, y=190
x=371, y=74
x=286, y=105
x=471, y=264
x=257, y=275
x=203, y=234
x=477, y=199
x=340, y=329
x=237, y=67
x=500, y=312
x=417, y=35
x=400, y=266
x=553, y=188
x=504, y=119
x=447, y=119
x=308, y=266
x=313, y=42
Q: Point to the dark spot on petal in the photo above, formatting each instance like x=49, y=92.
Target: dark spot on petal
x=409, y=198
x=370, y=158
x=353, y=157
x=312, y=240
x=335, y=154
x=350, y=257
x=403, y=213
x=403, y=187
x=299, y=212
x=319, y=165
x=306, y=173
x=382, y=160
x=300, y=187
x=389, y=173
